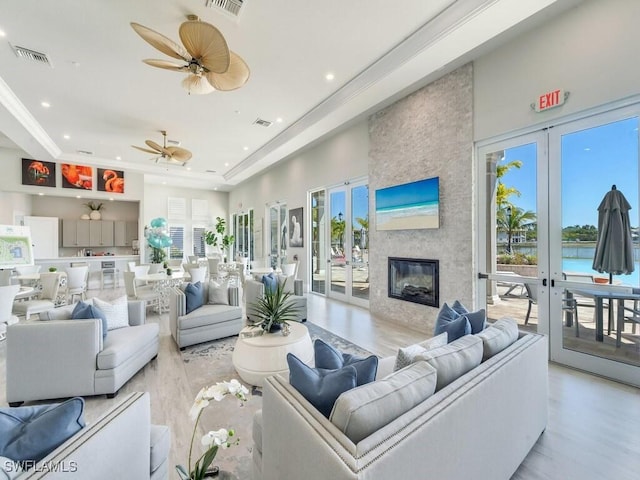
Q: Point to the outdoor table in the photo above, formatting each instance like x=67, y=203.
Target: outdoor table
x=599, y=296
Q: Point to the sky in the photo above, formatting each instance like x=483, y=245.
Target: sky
x=360, y=204
x=592, y=161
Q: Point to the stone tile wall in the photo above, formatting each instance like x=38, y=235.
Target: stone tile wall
x=426, y=134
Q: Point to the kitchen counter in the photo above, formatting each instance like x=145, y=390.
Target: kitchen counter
x=95, y=265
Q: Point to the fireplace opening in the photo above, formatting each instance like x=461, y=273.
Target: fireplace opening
x=414, y=280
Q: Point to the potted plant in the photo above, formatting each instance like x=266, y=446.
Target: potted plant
x=274, y=309
x=95, y=208
x=219, y=237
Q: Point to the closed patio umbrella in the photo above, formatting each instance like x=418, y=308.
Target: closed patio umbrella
x=614, y=248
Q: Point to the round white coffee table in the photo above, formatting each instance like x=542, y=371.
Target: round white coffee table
x=260, y=356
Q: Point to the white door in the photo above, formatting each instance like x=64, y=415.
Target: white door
x=44, y=236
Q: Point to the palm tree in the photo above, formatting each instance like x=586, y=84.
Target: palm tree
x=502, y=191
x=512, y=219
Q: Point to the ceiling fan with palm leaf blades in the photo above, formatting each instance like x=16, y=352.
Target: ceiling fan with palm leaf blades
x=210, y=64
x=169, y=154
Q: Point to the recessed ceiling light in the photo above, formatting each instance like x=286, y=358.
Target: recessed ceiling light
x=245, y=148
x=164, y=183
x=279, y=119
x=45, y=104
x=188, y=169
x=41, y=194
x=66, y=137
x=329, y=76
x=111, y=199
x=2, y=34
x=118, y=157
x=215, y=188
x=78, y=196
x=226, y=164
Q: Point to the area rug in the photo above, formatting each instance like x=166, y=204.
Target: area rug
x=208, y=363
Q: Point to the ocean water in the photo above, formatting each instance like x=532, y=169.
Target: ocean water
x=421, y=209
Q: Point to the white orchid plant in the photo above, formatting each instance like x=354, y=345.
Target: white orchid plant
x=214, y=439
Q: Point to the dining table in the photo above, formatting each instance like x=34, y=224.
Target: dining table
x=599, y=296
x=161, y=283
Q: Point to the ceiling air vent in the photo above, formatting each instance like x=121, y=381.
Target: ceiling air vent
x=85, y=152
x=262, y=122
x=210, y=171
x=32, y=55
x=231, y=7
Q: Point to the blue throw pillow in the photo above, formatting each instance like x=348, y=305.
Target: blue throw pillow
x=31, y=433
x=194, y=293
x=456, y=328
x=329, y=358
x=478, y=320
x=453, y=323
x=320, y=387
x=84, y=311
x=270, y=282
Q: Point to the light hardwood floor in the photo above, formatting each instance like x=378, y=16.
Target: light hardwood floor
x=593, y=431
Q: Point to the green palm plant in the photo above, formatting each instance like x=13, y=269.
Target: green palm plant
x=274, y=309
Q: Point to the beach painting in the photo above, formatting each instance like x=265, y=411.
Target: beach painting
x=409, y=206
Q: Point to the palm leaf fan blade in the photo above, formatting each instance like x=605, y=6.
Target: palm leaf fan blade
x=235, y=77
x=206, y=44
x=167, y=65
x=162, y=43
x=146, y=150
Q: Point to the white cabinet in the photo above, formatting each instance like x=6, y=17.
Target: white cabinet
x=101, y=233
x=87, y=233
x=125, y=233
x=44, y=236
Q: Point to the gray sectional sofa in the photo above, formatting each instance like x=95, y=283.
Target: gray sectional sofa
x=56, y=357
x=481, y=425
x=121, y=444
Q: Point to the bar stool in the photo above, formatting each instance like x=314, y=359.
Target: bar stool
x=107, y=269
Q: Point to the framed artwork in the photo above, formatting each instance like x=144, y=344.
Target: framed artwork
x=77, y=176
x=38, y=173
x=111, y=181
x=296, y=238
x=409, y=206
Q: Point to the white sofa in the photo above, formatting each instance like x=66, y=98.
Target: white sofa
x=481, y=425
x=121, y=444
x=56, y=357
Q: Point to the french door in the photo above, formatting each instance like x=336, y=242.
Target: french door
x=347, y=244
x=277, y=235
x=540, y=202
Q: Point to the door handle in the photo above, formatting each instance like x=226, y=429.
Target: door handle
x=544, y=282
x=483, y=276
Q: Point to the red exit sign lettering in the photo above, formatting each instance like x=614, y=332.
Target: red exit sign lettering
x=549, y=100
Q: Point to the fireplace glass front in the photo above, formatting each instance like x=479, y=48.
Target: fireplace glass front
x=414, y=280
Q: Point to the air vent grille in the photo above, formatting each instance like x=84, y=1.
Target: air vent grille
x=28, y=54
x=262, y=122
x=232, y=7
x=210, y=171
x=85, y=152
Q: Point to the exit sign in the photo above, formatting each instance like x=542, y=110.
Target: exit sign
x=549, y=100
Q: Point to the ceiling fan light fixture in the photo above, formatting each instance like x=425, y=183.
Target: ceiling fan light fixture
x=197, y=84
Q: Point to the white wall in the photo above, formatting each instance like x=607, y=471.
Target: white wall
x=341, y=157
x=590, y=51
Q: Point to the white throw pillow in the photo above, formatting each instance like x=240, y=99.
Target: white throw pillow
x=406, y=356
x=498, y=336
x=117, y=312
x=218, y=293
x=455, y=359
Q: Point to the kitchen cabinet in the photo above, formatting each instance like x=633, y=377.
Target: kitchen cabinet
x=101, y=233
x=75, y=233
x=87, y=233
x=125, y=233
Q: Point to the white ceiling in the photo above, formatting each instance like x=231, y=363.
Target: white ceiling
x=106, y=99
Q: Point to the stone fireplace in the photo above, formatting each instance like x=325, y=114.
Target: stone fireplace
x=414, y=280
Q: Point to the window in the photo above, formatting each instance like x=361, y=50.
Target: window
x=176, y=251
x=198, y=241
x=243, y=232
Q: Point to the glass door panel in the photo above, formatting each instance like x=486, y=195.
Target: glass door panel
x=318, y=242
x=338, y=260
x=277, y=235
x=360, y=242
x=511, y=230
x=588, y=158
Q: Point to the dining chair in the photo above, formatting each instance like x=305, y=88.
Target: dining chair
x=175, y=265
x=193, y=259
x=213, y=267
x=141, y=271
x=77, y=282
x=46, y=299
x=198, y=274
x=131, y=266
x=568, y=304
x=7, y=295
x=134, y=292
